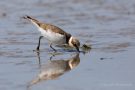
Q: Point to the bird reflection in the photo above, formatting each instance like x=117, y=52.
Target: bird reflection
x=55, y=68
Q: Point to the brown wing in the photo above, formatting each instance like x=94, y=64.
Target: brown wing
x=56, y=30
x=45, y=26
x=51, y=27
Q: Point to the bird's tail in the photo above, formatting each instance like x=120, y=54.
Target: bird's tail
x=34, y=21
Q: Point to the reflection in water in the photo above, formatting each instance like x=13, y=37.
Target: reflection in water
x=55, y=68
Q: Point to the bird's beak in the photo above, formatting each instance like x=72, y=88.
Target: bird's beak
x=77, y=48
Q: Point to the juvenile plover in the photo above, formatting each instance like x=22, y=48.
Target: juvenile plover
x=54, y=34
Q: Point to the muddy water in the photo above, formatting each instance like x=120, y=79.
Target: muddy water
x=108, y=25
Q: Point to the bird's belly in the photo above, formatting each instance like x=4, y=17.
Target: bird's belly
x=53, y=37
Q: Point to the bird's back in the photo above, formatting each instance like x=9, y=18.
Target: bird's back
x=51, y=32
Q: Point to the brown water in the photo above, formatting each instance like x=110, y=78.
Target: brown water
x=108, y=25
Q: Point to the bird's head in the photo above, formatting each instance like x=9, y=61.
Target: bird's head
x=73, y=42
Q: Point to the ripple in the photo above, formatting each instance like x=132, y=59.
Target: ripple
x=116, y=47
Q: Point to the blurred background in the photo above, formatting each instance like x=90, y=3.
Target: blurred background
x=107, y=25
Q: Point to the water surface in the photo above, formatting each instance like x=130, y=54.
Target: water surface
x=108, y=25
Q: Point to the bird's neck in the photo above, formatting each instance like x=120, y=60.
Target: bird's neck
x=68, y=37
x=70, y=41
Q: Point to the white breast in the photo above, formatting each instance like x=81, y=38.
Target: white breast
x=53, y=37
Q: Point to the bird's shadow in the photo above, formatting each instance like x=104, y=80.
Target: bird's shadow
x=53, y=69
x=74, y=61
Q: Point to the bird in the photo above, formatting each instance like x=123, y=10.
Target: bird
x=54, y=34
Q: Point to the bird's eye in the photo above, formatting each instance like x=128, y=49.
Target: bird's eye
x=75, y=45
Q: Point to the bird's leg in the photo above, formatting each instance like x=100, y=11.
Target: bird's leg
x=52, y=47
x=39, y=43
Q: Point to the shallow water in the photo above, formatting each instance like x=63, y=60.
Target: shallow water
x=107, y=25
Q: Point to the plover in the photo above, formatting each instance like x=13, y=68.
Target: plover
x=54, y=34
